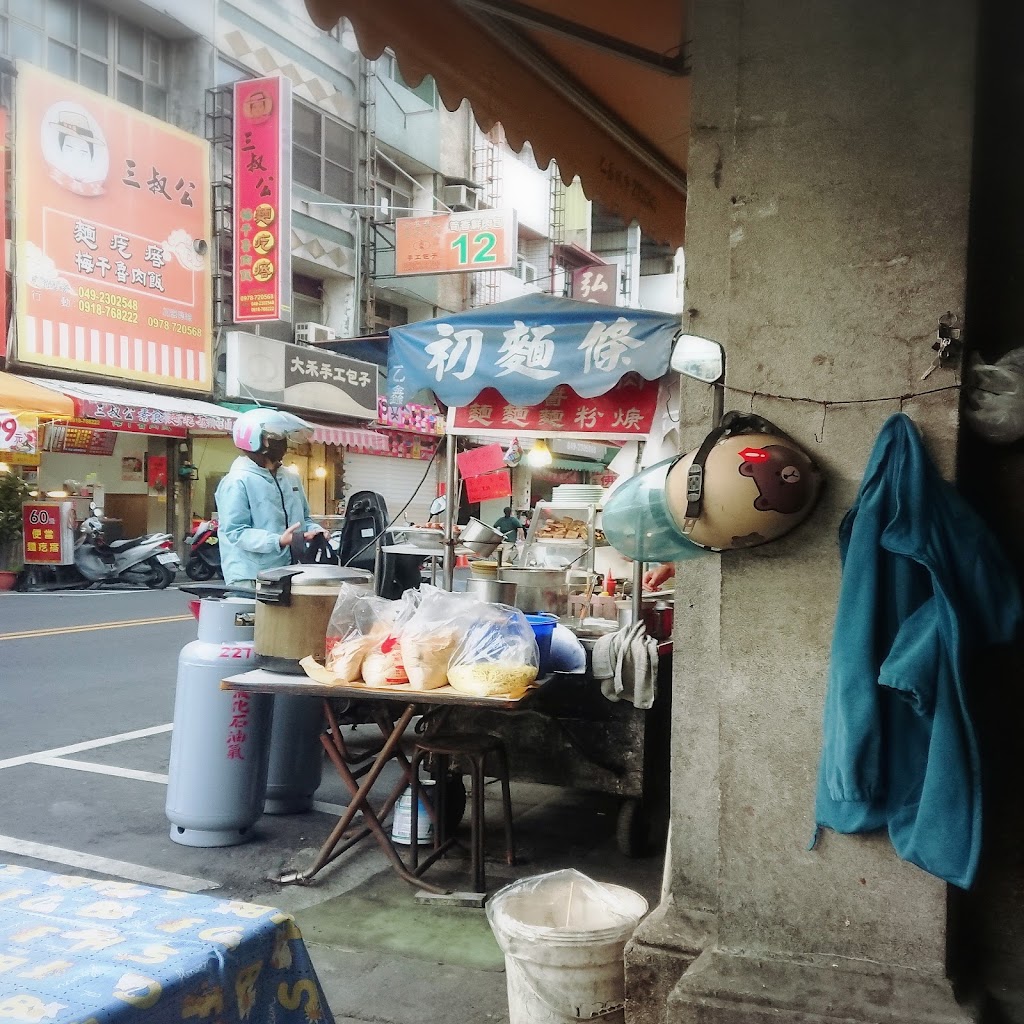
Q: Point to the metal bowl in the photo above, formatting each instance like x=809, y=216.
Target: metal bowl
x=480, y=538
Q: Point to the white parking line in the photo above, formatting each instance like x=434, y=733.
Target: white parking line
x=76, y=748
x=131, y=773
x=101, y=769
x=105, y=865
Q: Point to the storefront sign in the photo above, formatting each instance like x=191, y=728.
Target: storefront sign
x=78, y=440
x=413, y=419
x=477, y=461
x=262, y=141
x=526, y=347
x=112, y=228
x=456, y=242
x=596, y=284
x=624, y=412
x=399, y=447
x=19, y=434
x=49, y=532
x=299, y=376
x=3, y=235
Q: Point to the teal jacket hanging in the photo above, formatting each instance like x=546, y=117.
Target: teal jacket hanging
x=924, y=587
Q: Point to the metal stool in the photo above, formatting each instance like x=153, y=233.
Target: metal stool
x=473, y=749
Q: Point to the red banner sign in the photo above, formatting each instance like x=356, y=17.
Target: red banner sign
x=478, y=461
x=488, y=486
x=263, y=190
x=625, y=411
x=49, y=532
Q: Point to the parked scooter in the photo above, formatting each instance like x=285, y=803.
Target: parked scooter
x=146, y=561
x=203, y=561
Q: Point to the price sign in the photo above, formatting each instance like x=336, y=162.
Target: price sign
x=18, y=433
x=49, y=528
x=456, y=242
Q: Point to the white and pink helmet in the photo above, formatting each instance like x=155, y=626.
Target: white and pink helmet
x=254, y=428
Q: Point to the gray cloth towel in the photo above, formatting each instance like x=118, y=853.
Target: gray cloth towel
x=626, y=663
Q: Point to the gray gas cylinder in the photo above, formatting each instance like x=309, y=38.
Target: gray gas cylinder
x=296, y=754
x=218, y=773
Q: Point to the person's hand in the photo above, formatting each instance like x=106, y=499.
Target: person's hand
x=285, y=540
x=654, y=578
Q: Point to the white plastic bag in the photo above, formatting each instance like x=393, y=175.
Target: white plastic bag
x=385, y=620
x=347, y=640
x=994, y=397
x=433, y=633
x=498, y=655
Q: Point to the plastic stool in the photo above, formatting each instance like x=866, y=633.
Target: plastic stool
x=472, y=749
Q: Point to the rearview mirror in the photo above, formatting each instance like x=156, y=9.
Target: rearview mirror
x=699, y=358
x=438, y=505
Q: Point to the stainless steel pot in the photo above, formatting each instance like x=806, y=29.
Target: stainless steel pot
x=492, y=591
x=293, y=608
x=538, y=590
x=480, y=538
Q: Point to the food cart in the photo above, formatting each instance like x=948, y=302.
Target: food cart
x=544, y=367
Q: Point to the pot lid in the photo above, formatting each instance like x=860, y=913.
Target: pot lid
x=320, y=576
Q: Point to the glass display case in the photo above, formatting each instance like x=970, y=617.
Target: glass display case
x=563, y=535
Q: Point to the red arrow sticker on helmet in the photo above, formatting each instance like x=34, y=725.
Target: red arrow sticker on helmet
x=753, y=455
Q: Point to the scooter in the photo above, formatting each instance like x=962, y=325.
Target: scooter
x=147, y=561
x=203, y=562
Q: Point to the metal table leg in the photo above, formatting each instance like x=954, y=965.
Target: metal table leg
x=360, y=803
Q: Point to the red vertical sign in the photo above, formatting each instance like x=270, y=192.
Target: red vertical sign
x=262, y=167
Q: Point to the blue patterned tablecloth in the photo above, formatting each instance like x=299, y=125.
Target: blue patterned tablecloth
x=80, y=951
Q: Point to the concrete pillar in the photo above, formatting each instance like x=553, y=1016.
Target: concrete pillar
x=829, y=178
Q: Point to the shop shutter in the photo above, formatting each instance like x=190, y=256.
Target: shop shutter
x=396, y=479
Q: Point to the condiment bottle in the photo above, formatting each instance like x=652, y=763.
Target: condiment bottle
x=609, y=584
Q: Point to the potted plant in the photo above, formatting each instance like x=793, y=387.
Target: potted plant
x=13, y=493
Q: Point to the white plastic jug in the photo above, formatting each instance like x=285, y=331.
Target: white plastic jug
x=401, y=824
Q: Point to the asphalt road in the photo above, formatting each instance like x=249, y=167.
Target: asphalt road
x=80, y=669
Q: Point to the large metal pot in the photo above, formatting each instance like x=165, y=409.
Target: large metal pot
x=480, y=538
x=492, y=591
x=293, y=607
x=538, y=590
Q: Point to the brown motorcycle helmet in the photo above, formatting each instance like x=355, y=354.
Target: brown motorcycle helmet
x=747, y=484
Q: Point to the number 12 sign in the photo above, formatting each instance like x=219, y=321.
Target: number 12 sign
x=456, y=243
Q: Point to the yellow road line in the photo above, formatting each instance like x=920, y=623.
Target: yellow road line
x=61, y=630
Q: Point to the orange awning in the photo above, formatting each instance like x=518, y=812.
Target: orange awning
x=20, y=395
x=602, y=88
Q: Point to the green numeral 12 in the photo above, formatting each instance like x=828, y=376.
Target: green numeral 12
x=486, y=240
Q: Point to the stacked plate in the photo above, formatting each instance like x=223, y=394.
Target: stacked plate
x=577, y=494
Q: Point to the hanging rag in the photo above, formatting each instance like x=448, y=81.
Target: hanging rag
x=626, y=663
x=924, y=589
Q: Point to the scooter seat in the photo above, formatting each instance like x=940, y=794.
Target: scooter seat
x=124, y=545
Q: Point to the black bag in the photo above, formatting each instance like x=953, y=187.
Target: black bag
x=317, y=551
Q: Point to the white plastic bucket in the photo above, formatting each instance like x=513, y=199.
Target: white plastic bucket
x=401, y=825
x=563, y=936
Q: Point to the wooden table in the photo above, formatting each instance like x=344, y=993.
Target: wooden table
x=261, y=681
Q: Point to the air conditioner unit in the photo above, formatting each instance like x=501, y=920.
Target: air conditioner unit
x=460, y=197
x=526, y=272
x=314, y=334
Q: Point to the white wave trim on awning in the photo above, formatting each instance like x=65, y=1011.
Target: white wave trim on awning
x=352, y=436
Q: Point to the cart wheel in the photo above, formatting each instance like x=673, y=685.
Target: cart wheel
x=633, y=833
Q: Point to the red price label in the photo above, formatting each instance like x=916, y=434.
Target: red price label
x=8, y=428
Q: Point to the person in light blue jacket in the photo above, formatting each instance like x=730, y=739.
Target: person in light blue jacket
x=260, y=507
